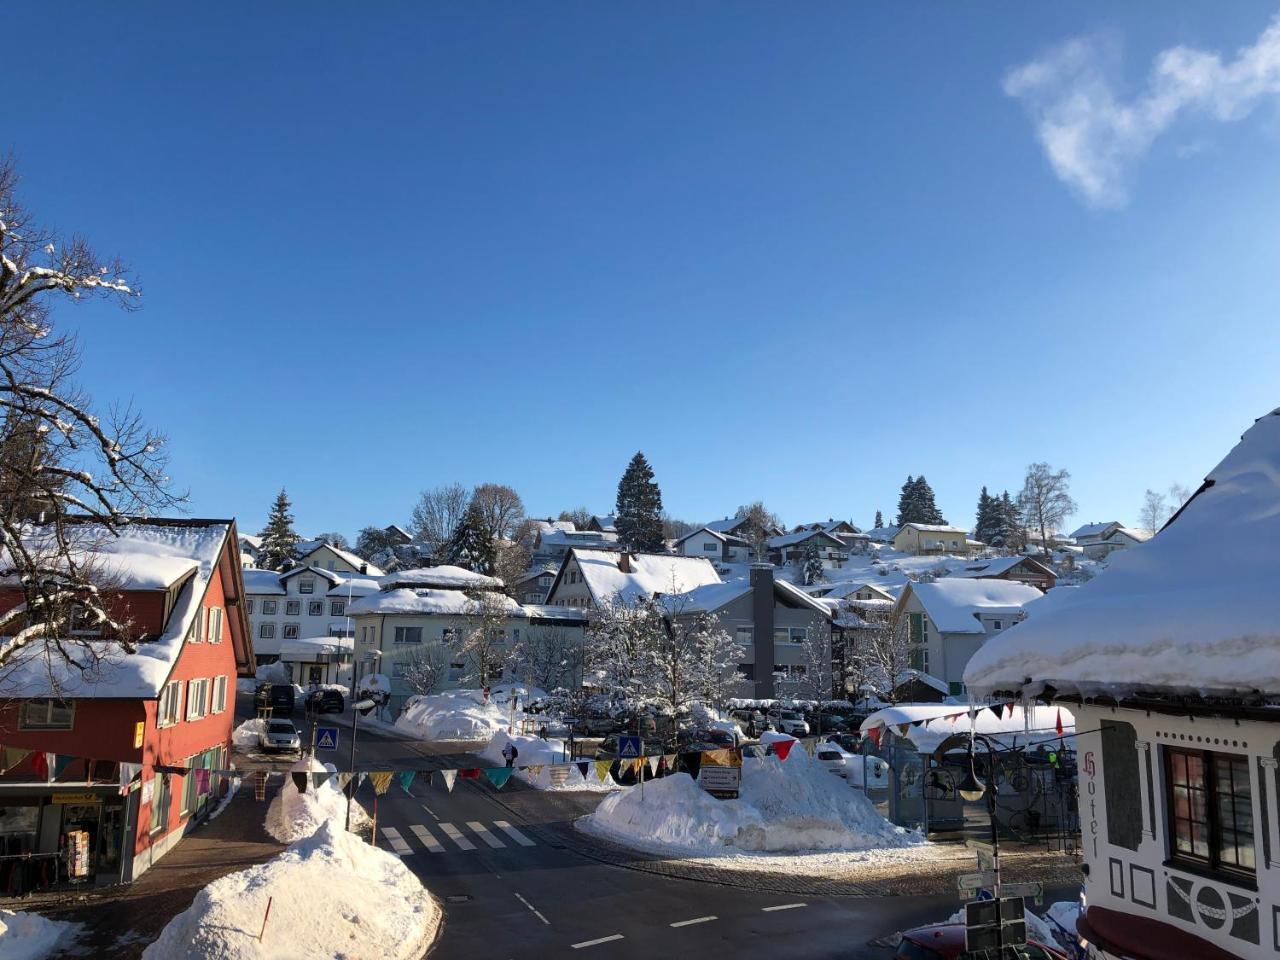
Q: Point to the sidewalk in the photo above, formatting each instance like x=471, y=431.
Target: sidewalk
x=121, y=921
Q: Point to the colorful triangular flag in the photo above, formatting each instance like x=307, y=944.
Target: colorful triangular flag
x=1057, y=726
x=535, y=770
x=874, y=735
x=471, y=773
x=381, y=781
x=670, y=760
x=782, y=748
x=602, y=769
x=60, y=763
x=448, y=776
x=498, y=776
x=343, y=780
x=997, y=709
x=406, y=778
x=653, y=765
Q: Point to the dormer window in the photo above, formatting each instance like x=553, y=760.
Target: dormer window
x=307, y=585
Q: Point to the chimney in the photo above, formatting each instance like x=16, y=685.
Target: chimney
x=762, y=627
x=624, y=562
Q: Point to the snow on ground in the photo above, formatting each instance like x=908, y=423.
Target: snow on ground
x=534, y=751
x=293, y=815
x=796, y=807
x=246, y=734
x=1061, y=919
x=453, y=715
x=29, y=936
x=333, y=897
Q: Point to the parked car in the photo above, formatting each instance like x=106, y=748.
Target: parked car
x=278, y=696
x=833, y=758
x=945, y=941
x=848, y=742
x=789, y=721
x=280, y=736
x=325, y=701
x=827, y=722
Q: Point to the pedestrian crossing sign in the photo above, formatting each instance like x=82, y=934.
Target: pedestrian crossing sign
x=629, y=748
x=326, y=738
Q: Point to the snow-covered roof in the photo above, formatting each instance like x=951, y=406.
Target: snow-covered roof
x=428, y=602
x=953, y=604
x=546, y=526
x=882, y=534
x=399, y=530
x=648, y=573
x=928, y=679
x=933, y=528
x=1196, y=610
x=576, y=538
x=727, y=525
x=306, y=549
x=328, y=575
x=995, y=566
x=548, y=612
x=310, y=646
x=258, y=583
x=445, y=576
x=354, y=587
x=937, y=721
x=843, y=589
x=1093, y=529
x=154, y=550
x=1133, y=533
x=693, y=533
x=790, y=539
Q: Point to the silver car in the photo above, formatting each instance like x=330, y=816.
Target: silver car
x=280, y=735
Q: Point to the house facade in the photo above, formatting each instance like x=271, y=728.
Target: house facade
x=1026, y=570
x=1100, y=540
x=715, y=546
x=1172, y=668
x=325, y=556
x=589, y=578
x=155, y=724
x=795, y=547
x=947, y=622
x=300, y=603
x=923, y=539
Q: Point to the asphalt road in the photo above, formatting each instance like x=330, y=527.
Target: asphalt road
x=509, y=890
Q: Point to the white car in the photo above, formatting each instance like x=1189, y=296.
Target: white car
x=280, y=735
x=790, y=721
x=835, y=759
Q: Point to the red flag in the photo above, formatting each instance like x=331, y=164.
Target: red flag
x=41, y=765
x=874, y=734
x=469, y=774
x=1009, y=708
x=1058, y=725
x=781, y=748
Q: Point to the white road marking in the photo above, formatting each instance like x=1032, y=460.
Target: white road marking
x=536, y=912
x=430, y=842
x=690, y=923
x=783, y=906
x=434, y=816
x=596, y=943
x=483, y=833
x=513, y=833
x=456, y=836
x=396, y=841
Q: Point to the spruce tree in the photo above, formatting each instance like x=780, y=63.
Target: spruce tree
x=470, y=547
x=279, y=539
x=929, y=511
x=987, y=525
x=639, y=508
x=906, y=503
x=1007, y=523
x=879, y=521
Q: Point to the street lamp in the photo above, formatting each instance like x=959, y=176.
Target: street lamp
x=359, y=709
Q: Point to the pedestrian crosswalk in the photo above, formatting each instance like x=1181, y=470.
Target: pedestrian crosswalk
x=444, y=837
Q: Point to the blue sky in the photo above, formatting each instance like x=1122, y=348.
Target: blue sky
x=791, y=254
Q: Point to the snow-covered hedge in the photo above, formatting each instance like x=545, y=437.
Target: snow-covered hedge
x=333, y=897
x=293, y=815
x=453, y=715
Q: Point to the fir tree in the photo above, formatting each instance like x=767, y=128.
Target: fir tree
x=1007, y=521
x=812, y=570
x=916, y=503
x=279, y=539
x=639, y=508
x=879, y=521
x=470, y=547
x=987, y=525
x=906, y=502
x=924, y=498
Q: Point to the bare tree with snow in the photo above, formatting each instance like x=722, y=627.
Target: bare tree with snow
x=437, y=514
x=425, y=668
x=1045, y=501
x=819, y=674
x=70, y=478
x=484, y=646
x=549, y=657
x=761, y=523
x=500, y=507
x=1154, y=512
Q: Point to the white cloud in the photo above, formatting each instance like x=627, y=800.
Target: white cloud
x=1092, y=137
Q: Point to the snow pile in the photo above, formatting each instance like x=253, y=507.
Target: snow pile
x=29, y=936
x=293, y=815
x=1060, y=919
x=453, y=715
x=245, y=736
x=534, y=751
x=333, y=897
x=782, y=808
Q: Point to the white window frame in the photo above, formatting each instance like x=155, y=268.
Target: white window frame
x=306, y=585
x=197, y=627
x=169, y=707
x=219, y=704
x=197, y=699
x=404, y=632
x=248, y=606
x=337, y=608
x=47, y=722
x=293, y=608
x=213, y=629
x=296, y=634
x=269, y=607
x=266, y=631
x=315, y=608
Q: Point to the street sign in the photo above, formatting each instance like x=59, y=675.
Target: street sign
x=975, y=880
x=985, y=852
x=990, y=924
x=722, y=782
x=629, y=748
x=1034, y=889
x=326, y=738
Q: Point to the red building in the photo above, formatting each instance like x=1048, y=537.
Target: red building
x=69, y=738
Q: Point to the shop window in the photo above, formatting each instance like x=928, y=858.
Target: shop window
x=1210, y=810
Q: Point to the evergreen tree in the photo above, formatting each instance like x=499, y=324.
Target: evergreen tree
x=639, y=508
x=916, y=503
x=1007, y=523
x=471, y=547
x=879, y=521
x=906, y=502
x=812, y=571
x=987, y=525
x=279, y=539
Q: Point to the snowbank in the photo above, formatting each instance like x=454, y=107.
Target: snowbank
x=782, y=808
x=453, y=715
x=246, y=734
x=534, y=751
x=293, y=815
x=332, y=896
x=29, y=936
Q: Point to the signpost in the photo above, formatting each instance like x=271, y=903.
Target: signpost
x=994, y=924
x=630, y=748
x=326, y=738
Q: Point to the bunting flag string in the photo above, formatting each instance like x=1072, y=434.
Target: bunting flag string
x=381, y=781
x=653, y=765
x=602, y=769
x=343, y=780
x=406, y=778
x=584, y=768
x=448, y=776
x=535, y=769
x=470, y=773
x=498, y=776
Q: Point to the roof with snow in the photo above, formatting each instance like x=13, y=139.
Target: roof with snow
x=259, y=583
x=577, y=538
x=1093, y=529
x=995, y=566
x=310, y=646
x=428, y=602
x=145, y=555
x=954, y=604
x=1195, y=611
x=647, y=573
x=306, y=549
x=800, y=536
x=932, y=528
x=727, y=525
x=445, y=577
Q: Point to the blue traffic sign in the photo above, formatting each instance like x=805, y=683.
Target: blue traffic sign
x=629, y=748
x=326, y=738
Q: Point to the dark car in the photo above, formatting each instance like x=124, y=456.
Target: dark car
x=849, y=742
x=945, y=941
x=278, y=697
x=325, y=701
x=831, y=723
